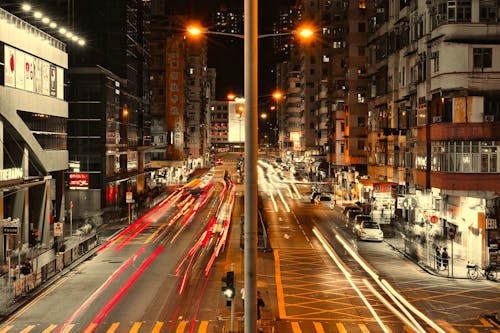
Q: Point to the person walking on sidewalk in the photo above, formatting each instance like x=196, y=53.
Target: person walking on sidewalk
x=444, y=257
x=438, y=258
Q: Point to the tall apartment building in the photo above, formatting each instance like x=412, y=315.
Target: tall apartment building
x=332, y=81
x=182, y=87
x=434, y=118
x=198, y=97
x=33, y=151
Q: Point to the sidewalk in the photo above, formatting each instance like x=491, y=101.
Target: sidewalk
x=418, y=254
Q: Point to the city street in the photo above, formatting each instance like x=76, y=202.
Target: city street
x=315, y=278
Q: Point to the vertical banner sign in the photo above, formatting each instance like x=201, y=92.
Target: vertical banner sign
x=19, y=63
x=37, y=76
x=53, y=81
x=10, y=67
x=45, y=78
x=28, y=72
x=60, y=83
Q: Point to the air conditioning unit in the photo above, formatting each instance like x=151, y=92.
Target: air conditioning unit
x=489, y=118
x=436, y=119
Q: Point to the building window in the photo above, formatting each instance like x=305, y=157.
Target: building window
x=465, y=156
x=361, y=4
x=361, y=121
x=361, y=98
x=361, y=50
x=435, y=57
x=459, y=11
x=342, y=148
x=488, y=11
x=342, y=127
x=482, y=57
x=361, y=27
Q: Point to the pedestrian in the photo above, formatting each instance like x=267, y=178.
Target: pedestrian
x=444, y=258
x=316, y=199
x=260, y=305
x=438, y=258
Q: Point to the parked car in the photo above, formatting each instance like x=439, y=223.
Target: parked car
x=219, y=161
x=369, y=230
x=352, y=224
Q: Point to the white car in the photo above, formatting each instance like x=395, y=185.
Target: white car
x=369, y=230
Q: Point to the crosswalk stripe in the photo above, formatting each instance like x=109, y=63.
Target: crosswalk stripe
x=363, y=328
x=181, y=327
x=341, y=328
x=157, y=328
x=296, y=327
x=473, y=330
x=203, y=327
x=318, y=327
x=388, y=329
x=68, y=328
x=485, y=322
x=135, y=327
x=49, y=329
x=6, y=329
x=28, y=329
x=113, y=328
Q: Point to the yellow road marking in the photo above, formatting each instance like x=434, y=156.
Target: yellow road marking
x=6, y=329
x=135, y=327
x=157, y=328
x=341, y=328
x=27, y=329
x=113, y=328
x=68, y=328
x=49, y=329
x=157, y=231
x=203, y=327
x=388, y=329
x=363, y=328
x=181, y=327
x=279, y=286
x=318, y=327
x=296, y=327
x=485, y=322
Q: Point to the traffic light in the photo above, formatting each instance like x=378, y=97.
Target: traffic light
x=228, y=288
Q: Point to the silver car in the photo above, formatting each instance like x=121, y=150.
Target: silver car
x=369, y=230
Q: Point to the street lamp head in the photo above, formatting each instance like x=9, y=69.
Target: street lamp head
x=231, y=97
x=194, y=30
x=277, y=95
x=305, y=32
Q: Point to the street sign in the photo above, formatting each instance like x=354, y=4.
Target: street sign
x=129, y=198
x=451, y=232
x=58, y=229
x=10, y=230
x=434, y=219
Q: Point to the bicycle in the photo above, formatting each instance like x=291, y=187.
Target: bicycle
x=474, y=271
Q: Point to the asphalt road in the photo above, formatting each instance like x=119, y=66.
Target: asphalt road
x=316, y=278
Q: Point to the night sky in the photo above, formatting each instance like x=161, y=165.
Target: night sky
x=226, y=54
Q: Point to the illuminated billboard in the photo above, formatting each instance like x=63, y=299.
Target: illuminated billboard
x=236, y=120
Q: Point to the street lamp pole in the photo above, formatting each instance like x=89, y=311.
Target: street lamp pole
x=251, y=147
x=251, y=123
